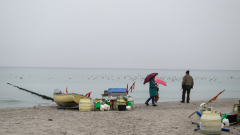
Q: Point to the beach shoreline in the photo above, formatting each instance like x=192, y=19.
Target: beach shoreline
x=167, y=118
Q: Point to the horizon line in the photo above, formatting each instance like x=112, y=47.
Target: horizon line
x=115, y=68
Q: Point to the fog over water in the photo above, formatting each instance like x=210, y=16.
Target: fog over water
x=141, y=34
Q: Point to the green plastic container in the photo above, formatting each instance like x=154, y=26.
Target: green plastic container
x=129, y=103
x=224, y=116
x=108, y=103
x=97, y=105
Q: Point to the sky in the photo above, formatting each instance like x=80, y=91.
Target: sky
x=142, y=34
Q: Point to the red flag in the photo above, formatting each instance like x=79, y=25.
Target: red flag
x=134, y=85
x=66, y=90
x=131, y=89
x=88, y=94
x=127, y=89
x=214, y=98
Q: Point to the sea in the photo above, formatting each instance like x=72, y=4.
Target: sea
x=207, y=84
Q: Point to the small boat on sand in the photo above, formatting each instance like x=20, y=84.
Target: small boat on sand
x=67, y=100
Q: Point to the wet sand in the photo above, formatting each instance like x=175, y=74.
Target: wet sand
x=168, y=118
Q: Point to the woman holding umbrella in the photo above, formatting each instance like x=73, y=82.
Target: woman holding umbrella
x=152, y=88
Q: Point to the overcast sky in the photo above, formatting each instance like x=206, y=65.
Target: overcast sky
x=152, y=34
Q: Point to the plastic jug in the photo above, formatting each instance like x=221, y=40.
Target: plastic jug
x=120, y=101
x=97, y=102
x=129, y=103
x=235, y=108
x=97, y=105
x=210, y=123
x=85, y=105
x=108, y=103
x=226, y=122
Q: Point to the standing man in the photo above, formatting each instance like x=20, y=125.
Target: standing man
x=187, y=85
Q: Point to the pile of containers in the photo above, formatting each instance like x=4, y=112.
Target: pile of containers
x=98, y=102
x=118, y=97
x=117, y=100
x=232, y=117
x=211, y=122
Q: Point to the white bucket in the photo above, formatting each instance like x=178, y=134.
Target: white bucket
x=128, y=108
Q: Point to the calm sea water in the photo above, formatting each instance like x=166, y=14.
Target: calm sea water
x=208, y=83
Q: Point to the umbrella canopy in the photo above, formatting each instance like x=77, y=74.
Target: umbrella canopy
x=159, y=81
x=148, y=78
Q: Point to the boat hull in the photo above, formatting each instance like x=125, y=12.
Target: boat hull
x=68, y=104
x=69, y=100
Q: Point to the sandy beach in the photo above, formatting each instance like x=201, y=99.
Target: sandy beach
x=167, y=118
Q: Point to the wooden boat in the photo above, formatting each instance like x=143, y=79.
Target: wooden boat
x=67, y=100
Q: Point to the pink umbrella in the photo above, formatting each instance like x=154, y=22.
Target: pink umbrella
x=159, y=81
